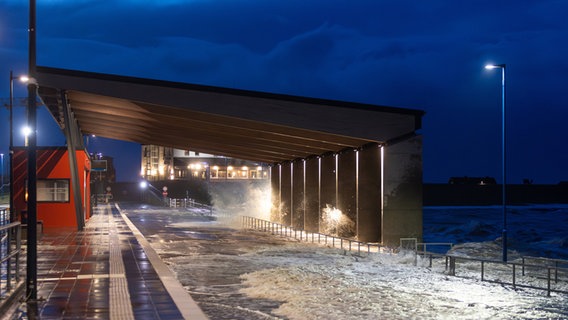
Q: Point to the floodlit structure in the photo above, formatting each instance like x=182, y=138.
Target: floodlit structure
x=365, y=160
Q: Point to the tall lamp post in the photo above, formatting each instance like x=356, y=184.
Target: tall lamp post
x=503, y=155
x=2, y=173
x=11, y=120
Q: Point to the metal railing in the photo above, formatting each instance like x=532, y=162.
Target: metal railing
x=556, y=264
x=542, y=274
x=313, y=237
x=188, y=203
x=550, y=275
x=4, y=216
x=413, y=244
x=10, y=258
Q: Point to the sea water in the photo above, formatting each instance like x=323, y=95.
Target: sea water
x=532, y=230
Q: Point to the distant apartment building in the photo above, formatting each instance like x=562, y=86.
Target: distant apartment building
x=165, y=163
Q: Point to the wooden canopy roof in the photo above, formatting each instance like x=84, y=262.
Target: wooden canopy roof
x=247, y=125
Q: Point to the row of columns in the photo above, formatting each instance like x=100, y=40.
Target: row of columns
x=380, y=201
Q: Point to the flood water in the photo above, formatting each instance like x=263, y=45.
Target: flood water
x=233, y=274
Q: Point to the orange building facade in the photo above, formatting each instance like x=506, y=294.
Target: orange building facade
x=55, y=194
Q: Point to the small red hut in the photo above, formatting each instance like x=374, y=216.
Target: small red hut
x=55, y=198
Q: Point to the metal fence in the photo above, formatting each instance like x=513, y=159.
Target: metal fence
x=538, y=273
x=550, y=275
x=313, y=237
x=188, y=203
x=10, y=257
x=519, y=273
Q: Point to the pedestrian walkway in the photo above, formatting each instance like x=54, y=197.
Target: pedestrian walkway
x=106, y=271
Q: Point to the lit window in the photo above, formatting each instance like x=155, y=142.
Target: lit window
x=53, y=190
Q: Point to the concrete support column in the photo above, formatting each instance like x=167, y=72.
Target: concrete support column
x=328, y=185
x=347, y=192
x=369, y=217
x=402, y=202
x=311, y=213
x=298, y=192
x=286, y=193
x=275, y=195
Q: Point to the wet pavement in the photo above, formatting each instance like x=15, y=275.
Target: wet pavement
x=101, y=272
x=209, y=258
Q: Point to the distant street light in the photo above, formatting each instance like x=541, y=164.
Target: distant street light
x=2, y=173
x=26, y=132
x=503, y=155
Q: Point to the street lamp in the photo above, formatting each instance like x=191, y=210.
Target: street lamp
x=22, y=79
x=503, y=155
x=2, y=173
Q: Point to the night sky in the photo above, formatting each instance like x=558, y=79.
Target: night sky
x=427, y=55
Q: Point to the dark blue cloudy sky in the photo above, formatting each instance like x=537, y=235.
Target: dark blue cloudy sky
x=425, y=55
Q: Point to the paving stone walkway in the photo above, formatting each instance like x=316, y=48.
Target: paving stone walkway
x=105, y=272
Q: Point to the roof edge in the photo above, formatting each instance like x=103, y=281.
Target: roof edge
x=224, y=90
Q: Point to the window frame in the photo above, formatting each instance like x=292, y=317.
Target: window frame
x=54, y=190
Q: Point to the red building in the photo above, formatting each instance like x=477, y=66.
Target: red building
x=55, y=194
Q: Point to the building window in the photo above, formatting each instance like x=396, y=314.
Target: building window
x=53, y=190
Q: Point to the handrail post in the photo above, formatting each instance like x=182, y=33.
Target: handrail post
x=514, y=284
x=18, y=250
x=9, y=262
x=452, y=266
x=548, y=283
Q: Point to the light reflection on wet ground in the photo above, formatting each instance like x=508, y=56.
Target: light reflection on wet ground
x=213, y=259
x=301, y=281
